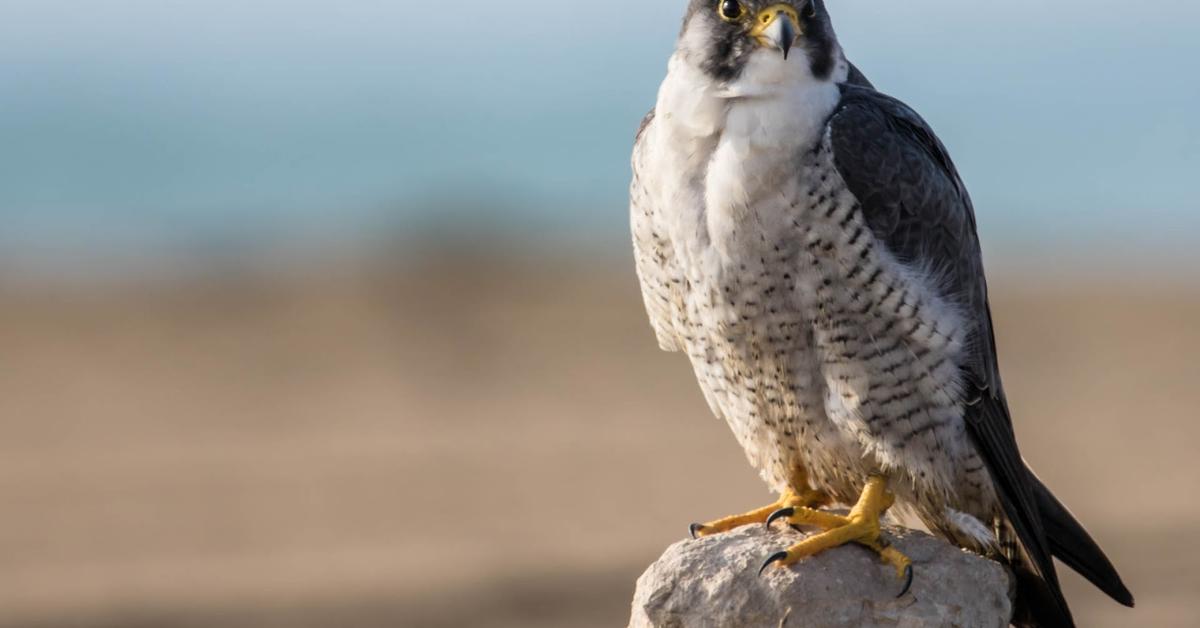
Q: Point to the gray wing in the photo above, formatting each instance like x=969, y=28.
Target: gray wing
x=915, y=203
x=856, y=77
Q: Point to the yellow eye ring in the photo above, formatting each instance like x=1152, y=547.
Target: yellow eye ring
x=731, y=10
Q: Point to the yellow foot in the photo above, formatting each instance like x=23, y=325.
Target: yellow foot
x=860, y=526
x=805, y=498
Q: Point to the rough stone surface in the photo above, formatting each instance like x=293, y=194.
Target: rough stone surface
x=714, y=581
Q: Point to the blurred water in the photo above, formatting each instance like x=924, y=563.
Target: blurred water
x=135, y=129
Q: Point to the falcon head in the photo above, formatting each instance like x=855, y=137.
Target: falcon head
x=751, y=41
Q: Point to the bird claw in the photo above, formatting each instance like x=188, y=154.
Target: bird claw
x=695, y=529
x=908, y=580
x=782, y=513
x=777, y=557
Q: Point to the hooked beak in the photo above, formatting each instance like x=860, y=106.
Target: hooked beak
x=777, y=27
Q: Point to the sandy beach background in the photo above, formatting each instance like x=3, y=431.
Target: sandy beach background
x=493, y=441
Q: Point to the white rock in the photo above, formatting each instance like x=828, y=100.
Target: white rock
x=714, y=581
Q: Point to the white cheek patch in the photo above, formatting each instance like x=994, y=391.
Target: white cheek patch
x=696, y=39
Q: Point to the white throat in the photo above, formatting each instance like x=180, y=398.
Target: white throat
x=729, y=143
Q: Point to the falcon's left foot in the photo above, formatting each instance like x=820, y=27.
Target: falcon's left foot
x=860, y=526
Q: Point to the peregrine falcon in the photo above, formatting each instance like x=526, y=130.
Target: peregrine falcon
x=808, y=243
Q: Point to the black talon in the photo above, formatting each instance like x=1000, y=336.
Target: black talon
x=695, y=529
x=780, y=514
x=776, y=557
x=908, y=578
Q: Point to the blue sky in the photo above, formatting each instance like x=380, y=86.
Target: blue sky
x=154, y=126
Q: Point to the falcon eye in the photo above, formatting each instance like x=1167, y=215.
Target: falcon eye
x=731, y=10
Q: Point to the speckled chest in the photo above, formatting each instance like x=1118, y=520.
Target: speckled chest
x=752, y=307
x=817, y=346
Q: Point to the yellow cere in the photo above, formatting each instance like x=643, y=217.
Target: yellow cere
x=767, y=16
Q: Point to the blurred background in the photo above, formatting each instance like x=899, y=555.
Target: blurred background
x=319, y=313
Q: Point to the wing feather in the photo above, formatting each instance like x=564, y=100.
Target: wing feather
x=652, y=251
x=916, y=204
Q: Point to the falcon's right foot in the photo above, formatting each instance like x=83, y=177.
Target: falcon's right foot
x=807, y=500
x=861, y=526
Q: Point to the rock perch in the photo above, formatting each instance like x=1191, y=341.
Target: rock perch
x=714, y=581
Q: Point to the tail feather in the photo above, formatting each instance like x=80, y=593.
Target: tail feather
x=1039, y=604
x=1070, y=543
x=1039, y=599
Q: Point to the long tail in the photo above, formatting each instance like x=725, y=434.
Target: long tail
x=1070, y=543
x=1040, y=602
